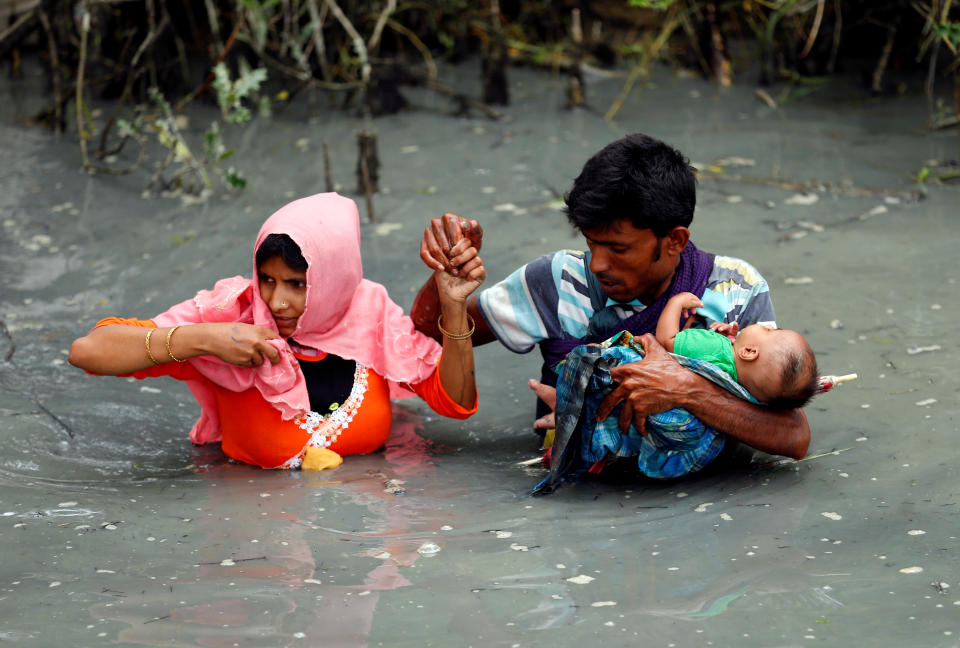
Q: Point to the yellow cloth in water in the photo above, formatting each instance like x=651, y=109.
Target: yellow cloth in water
x=320, y=459
x=548, y=438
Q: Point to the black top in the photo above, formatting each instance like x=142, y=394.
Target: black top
x=329, y=381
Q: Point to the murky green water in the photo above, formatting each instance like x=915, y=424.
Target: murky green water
x=116, y=531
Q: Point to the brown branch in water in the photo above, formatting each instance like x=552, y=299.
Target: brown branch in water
x=361, y=50
x=374, y=41
x=54, y=73
x=876, y=86
x=672, y=22
x=814, y=30
x=81, y=65
x=20, y=29
x=317, y=18
x=209, y=78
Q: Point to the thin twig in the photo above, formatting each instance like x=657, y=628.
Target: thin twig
x=81, y=65
x=814, y=30
x=374, y=41
x=317, y=18
x=54, y=72
x=358, y=45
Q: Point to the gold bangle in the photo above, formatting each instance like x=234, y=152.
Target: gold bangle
x=169, y=352
x=146, y=343
x=457, y=336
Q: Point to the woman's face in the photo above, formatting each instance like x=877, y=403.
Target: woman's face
x=285, y=292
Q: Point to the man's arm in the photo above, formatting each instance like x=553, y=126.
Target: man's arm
x=658, y=383
x=426, y=311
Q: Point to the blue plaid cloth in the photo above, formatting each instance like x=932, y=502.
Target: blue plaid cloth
x=676, y=443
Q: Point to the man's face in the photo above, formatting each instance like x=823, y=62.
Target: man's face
x=632, y=263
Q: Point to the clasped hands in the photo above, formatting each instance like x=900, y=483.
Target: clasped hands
x=646, y=387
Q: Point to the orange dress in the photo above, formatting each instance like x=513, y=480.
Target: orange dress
x=254, y=432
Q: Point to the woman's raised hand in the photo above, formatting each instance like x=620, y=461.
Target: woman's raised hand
x=244, y=345
x=466, y=274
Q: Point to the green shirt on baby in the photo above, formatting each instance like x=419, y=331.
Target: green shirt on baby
x=708, y=345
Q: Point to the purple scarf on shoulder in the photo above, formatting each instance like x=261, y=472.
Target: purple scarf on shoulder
x=690, y=276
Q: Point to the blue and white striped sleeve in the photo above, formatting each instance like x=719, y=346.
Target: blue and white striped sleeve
x=736, y=292
x=521, y=309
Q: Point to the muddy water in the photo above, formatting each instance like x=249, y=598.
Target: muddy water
x=116, y=531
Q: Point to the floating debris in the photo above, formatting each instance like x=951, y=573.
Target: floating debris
x=581, y=579
x=925, y=402
x=703, y=507
x=733, y=200
x=830, y=515
x=384, y=229
x=67, y=504
x=394, y=487
x=804, y=199
x=502, y=534
x=916, y=532
x=923, y=349
x=227, y=562
x=726, y=517
x=603, y=603
x=798, y=281
x=150, y=390
x=428, y=549
x=911, y=570
x=810, y=225
x=312, y=581
x=383, y=555
x=836, y=324
x=735, y=161
x=519, y=547
x=446, y=527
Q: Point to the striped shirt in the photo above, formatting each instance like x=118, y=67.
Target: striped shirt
x=548, y=298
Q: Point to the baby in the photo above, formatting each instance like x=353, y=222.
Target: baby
x=776, y=366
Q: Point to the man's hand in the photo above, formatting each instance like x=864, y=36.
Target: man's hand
x=647, y=387
x=548, y=395
x=446, y=241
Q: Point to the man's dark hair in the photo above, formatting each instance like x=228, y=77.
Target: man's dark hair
x=637, y=178
x=281, y=245
x=799, y=378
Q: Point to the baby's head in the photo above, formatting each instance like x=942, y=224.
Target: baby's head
x=777, y=366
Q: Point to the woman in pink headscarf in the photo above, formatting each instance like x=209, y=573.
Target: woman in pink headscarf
x=296, y=367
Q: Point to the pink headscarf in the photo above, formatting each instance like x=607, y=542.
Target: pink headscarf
x=345, y=315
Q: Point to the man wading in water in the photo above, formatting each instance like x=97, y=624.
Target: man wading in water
x=633, y=202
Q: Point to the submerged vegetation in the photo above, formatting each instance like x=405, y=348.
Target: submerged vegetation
x=149, y=59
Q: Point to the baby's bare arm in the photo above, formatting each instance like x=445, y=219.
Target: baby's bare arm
x=669, y=323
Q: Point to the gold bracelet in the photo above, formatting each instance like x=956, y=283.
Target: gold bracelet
x=457, y=336
x=146, y=343
x=169, y=352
